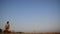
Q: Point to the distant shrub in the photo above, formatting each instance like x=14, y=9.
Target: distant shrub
x=0, y=30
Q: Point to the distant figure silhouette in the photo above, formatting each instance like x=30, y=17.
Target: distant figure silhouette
x=7, y=26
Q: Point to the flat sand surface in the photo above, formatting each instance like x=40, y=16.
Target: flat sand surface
x=33, y=33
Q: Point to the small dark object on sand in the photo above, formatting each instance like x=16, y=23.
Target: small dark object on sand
x=21, y=32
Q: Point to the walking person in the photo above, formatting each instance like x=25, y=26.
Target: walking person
x=7, y=26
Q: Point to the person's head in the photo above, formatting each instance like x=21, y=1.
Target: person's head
x=7, y=22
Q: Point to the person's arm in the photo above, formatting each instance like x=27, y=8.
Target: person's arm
x=8, y=26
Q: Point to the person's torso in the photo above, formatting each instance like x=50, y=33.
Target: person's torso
x=7, y=25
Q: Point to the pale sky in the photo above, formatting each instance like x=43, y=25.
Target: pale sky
x=31, y=15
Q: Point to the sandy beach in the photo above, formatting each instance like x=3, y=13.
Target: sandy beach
x=32, y=33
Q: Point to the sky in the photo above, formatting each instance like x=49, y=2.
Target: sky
x=30, y=15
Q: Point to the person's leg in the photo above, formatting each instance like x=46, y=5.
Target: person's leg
x=6, y=31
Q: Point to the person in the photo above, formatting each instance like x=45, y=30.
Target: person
x=7, y=26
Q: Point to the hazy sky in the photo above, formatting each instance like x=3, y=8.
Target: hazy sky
x=31, y=15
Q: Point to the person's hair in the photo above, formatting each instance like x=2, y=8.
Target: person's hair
x=7, y=22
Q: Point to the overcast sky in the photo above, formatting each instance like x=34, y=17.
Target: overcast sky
x=31, y=15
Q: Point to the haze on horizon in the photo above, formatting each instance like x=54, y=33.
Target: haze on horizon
x=31, y=15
